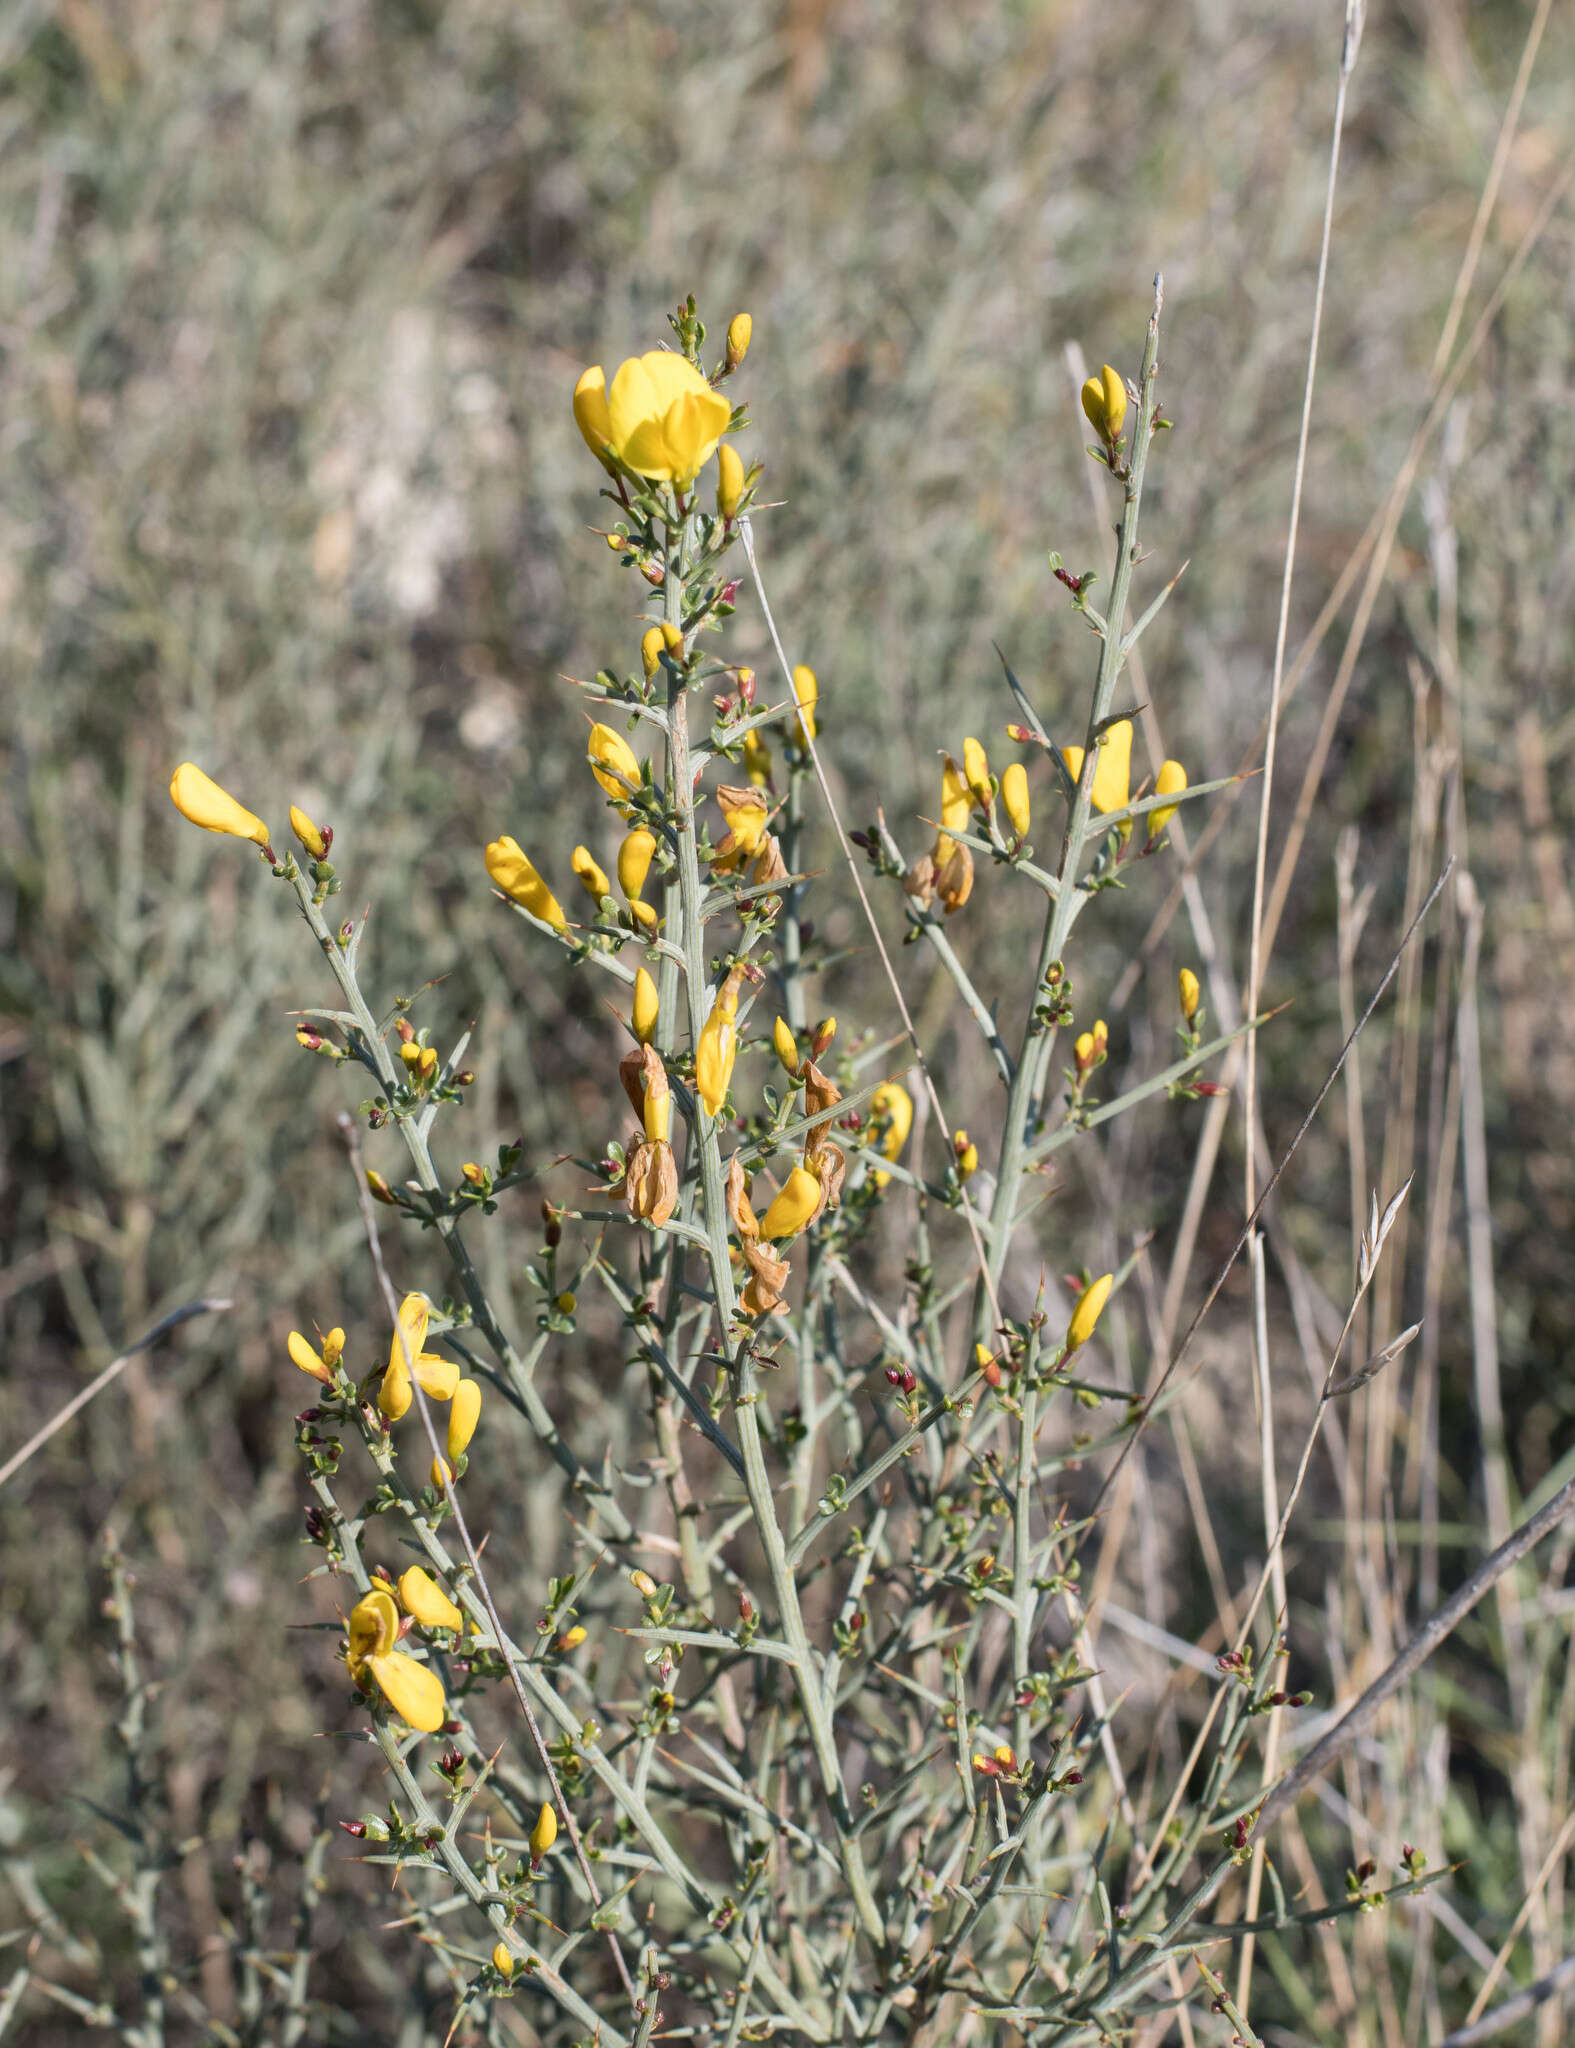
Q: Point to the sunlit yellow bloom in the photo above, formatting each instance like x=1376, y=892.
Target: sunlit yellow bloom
x=891, y=1114
x=1187, y=987
x=201, y=802
x=502, y=1961
x=413, y=1690
x=717, y=1049
x=1113, y=769
x=414, y=1314
x=976, y=773
x=663, y=418
x=1105, y=403
x=611, y=758
x=634, y=861
x=464, y=1413
x=967, y=1155
x=1089, y=1046
x=572, y=1638
x=307, y=1357
x=651, y=652
x=591, y=878
x=333, y=1346
x=544, y=1833
x=806, y=693
x=1170, y=781
x=956, y=797
x=646, y=1006
x=739, y=329
x=511, y=870
x=1014, y=796
x=729, y=479
x=786, y=1047
x=425, y=1601
x=590, y=412
x=793, y=1207
x=1090, y=1306
x=308, y=834
x=746, y=814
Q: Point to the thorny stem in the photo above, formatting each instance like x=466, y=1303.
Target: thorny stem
x=746, y=1390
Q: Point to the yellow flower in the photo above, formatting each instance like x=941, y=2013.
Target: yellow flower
x=976, y=773
x=425, y=1600
x=544, y=1833
x=956, y=797
x=1187, y=988
x=746, y=813
x=1170, y=781
x=514, y=875
x=806, y=694
x=612, y=763
x=201, y=802
x=591, y=878
x=413, y=1690
x=1112, y=769
x=967, y=1155
x=1090, y=1306
x=646, y=1005
x=793, y=1207
x=306, y=1356
x=891, y=1115
x=739, y=329
x=572, y=1638
x=1105, y=403
x=786, y=1047
x=502, y=1961
x=729, y=479
x=463, y=1414
x=1014, y=796
x=663, y=418
x=591, y=415
x=414, y=1315
x=634, y=861
x=308, y=834
x=717, y=1049
x=657, y=1108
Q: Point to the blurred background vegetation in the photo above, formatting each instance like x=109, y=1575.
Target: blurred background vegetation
x=292, y=299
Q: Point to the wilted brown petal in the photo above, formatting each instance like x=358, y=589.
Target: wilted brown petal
x=919, y=881
x=955, y=881
x=830, y=1167
x=740, y=1214
x=651, y=1183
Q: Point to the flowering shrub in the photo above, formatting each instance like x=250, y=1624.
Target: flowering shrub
x=863, y=1775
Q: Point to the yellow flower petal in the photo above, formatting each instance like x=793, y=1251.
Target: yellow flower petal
x=308, y=834
x=786, y=1047
x=438, y=1376
x=463, y=1415
x=1090, y=1307
x=715, y=1054
x=414, y=1691
x=544, y=1833
x=611, y=758
x=976, y=773
x=664, y=417
x=373, y=1628
x=201, y=802
x=1170, y=781
x=306, y=1357
x=793, y=1207
x=590, y=877
x=423, y=1598
x=634, y=861
x=1014, y=797
x=646, y=1006
x=739, y=330
x=806, y=692
x=395, y=1395
x=729, y=479
x=514, y=875
x=590, y=411
x=1188, y=990
x=1112, y=769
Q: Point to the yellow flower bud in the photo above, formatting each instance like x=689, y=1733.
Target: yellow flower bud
x=634, y=861
x=201, y=802
x=1170, y=781
x=590, y=876
x=381, y=1191
x=1090, y=1306
x=643, y=1584
x=308, y=834
x=1105, y=403
x=463, y=1414
x=967, y=1155
x=739, y=330
x=651, y=651
x=1187, y=988
x=956, y=798
x=333, y=1346
x=511, y=870
x=793, y=1207
x=544, y=1833
x=729, y=479
x=646, y=1005
x=306, y=1357
x=612, y=762
x=786, y=1047
x=572, y=1638
x=565, y=1303
x=1014, y=796
x=806, y=694
x=502, y=1961
x=425, y=1600
x=976, y=773
x=717, y=1050
x=1112, y=767
x=591, y=415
